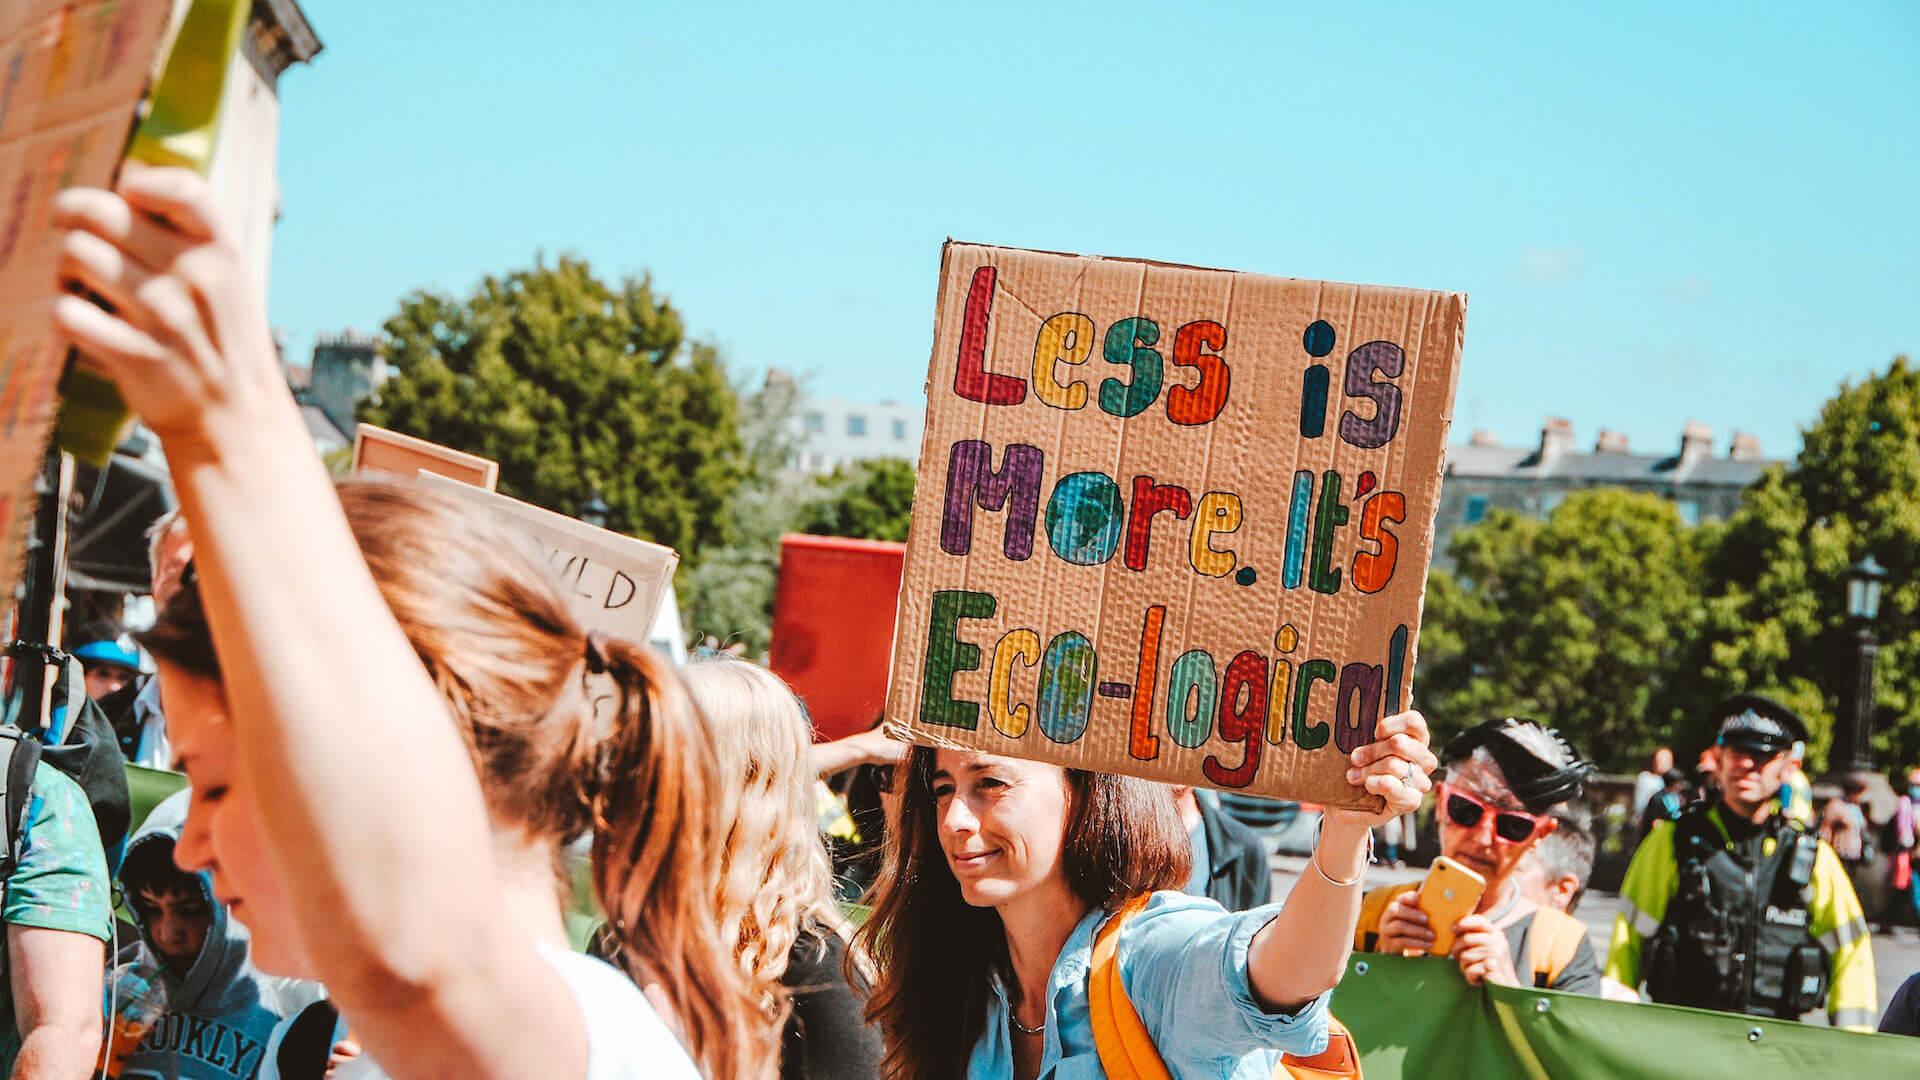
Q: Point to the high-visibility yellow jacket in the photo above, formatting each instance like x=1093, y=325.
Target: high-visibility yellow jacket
x=1834, y=919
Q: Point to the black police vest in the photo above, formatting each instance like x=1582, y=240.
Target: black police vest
x=1736, y=934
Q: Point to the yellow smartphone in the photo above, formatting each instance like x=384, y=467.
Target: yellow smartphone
x=1449, y=894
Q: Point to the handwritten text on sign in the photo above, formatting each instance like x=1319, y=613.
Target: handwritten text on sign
x=71, y=76
x=1171, y=522
x=616, y=582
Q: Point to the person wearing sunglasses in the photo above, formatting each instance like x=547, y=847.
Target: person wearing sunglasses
x=1737, y=905
x=1504, y=780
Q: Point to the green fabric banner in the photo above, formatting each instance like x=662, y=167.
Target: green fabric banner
x=148, y=787
x=1418, y=1018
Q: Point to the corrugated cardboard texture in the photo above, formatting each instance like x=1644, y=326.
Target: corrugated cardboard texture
x=70, y=76
x=376, y=449
x=1250, y=653
x=616, y=582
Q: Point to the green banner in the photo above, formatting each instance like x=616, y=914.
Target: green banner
x=148, y=787
x=1418, y=1018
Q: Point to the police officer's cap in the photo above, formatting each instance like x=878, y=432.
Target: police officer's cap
x=1758, y=723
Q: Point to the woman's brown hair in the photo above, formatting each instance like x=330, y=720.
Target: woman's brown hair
x=519, y=675
x=938, y=956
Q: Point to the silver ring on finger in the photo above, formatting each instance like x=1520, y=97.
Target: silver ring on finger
x=1409, y=774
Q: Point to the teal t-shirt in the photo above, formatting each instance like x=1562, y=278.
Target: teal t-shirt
x=60, y=881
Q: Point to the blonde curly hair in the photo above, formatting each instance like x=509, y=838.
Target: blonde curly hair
x=775, y=877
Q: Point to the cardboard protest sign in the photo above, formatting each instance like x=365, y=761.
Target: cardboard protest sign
x=616, y=581
x=1171, y=522
x=71, y=75
x=376, y=449
x=833, y=627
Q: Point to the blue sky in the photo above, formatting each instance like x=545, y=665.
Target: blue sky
x=1662, y=212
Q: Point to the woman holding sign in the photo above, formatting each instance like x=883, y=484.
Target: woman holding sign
x=1029, y=922
x=388, y=721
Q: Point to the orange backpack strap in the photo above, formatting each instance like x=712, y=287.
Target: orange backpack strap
x=1339, y=1061
x=1551, y=943
x=1120, y=1038
x=1373, y=907
x=1126, y=1048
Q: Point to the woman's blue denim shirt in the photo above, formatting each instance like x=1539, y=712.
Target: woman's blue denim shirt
x=1184, y=962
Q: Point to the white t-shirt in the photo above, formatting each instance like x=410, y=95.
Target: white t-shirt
x=626, y=1039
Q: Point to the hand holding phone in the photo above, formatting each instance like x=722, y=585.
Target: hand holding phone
x=1450, y=893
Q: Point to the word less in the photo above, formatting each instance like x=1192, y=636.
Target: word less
x=1171, y=522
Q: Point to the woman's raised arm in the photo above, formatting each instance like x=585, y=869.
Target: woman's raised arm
x=363, y=787
x=1302, y=953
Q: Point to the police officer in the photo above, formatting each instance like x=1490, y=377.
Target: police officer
x=1736, y=906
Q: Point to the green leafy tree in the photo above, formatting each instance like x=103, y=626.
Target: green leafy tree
x=872, y=500
x=1775, y=610
x=728, y=598
x=1577, y=621
x=574, y=386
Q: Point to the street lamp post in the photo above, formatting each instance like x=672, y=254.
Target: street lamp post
x=596, y=510
x=1852, y=754
x=1853, y=748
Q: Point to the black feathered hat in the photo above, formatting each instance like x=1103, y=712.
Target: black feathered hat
x=1540, y=785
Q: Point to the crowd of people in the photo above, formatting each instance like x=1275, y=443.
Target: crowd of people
x=389, y=717
x=398, y=836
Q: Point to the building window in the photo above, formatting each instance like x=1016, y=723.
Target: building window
x=816, y=424
x=1476, y=509
x=1689, y=510
x=900, y=430
x=856, y=424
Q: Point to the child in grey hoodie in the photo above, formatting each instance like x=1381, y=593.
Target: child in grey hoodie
x=220, y=1011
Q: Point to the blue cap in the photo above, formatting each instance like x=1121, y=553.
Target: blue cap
x=120, y=650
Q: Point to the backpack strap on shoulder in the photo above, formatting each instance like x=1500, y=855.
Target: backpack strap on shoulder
x=1339, y=1061
x=1126, y=1048
x=19, y=756
x=1119, y=1036
x=1551, y=943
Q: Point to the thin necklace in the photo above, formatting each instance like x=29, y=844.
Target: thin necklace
x=1496, y=915
x=1014, y=1019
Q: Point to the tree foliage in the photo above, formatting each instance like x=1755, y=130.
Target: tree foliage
x=872, y=500
x=574, y=386
x=1776, y=599
x=1615, y=622
x=1577, y=621
x=728, y=598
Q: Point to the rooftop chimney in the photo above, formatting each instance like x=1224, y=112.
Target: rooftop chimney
x=1483, y=437
x=1746, y=447
x=1611, y=442
x=1696, y=443
x=1556, y=438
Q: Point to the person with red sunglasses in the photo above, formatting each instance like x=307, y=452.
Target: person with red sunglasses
x=1504, y=778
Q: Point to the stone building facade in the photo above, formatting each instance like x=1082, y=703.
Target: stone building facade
x=1482, y=475
x=828, y=432
x=347, y=368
